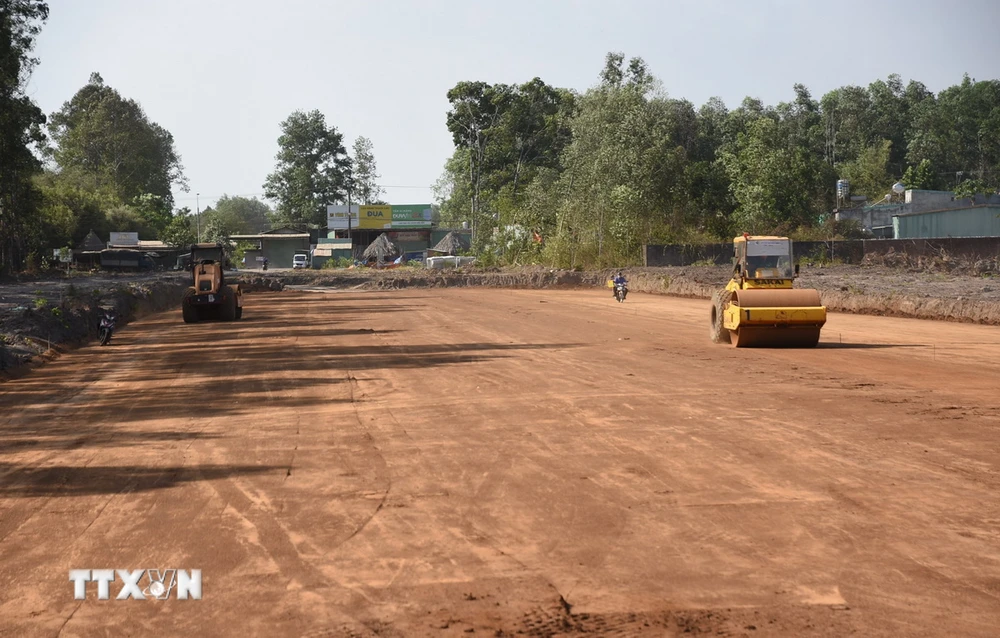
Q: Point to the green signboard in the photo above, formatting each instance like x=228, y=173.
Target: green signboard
x=411, y=215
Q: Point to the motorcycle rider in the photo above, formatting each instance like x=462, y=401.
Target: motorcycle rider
x=620, y=279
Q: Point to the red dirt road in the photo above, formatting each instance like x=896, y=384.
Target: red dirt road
x=469, y=462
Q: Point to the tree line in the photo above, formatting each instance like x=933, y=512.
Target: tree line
x=540, y=173
x=101, y=164
x=599, y=173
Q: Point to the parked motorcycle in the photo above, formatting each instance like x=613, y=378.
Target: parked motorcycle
x=107, y=327
x=620, y=292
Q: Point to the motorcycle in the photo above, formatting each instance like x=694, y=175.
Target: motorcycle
x=106, y=328
x=620, y=292
x=264, y=267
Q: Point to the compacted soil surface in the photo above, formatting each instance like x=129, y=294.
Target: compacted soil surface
x=475, y=461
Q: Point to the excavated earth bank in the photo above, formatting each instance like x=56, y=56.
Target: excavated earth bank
x=41, y=317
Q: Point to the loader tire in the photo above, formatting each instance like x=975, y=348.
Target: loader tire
x=189, y=311
x=227, y=310
x=718, y=329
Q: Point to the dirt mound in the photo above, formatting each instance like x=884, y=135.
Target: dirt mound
x=940, y=262
x=256, y=283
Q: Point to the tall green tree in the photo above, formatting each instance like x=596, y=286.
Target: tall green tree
x=959, y=131
x=601, y=173
x=922, y=176
x=623, y=168
x=110, y=140
x=777, y=183
x=180, y=231
x=313, y=170
x=451, y=190
x=476, y=109
x=69, y=208
x=506, y=135
x=531, y=133
x=365, y=183
x=20, y=128
x=239, y=215
x=870, y=174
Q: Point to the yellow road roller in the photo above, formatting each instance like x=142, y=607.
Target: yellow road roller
x=759, y=307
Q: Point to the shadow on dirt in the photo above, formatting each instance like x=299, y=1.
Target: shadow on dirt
x=55, y=436
x=27, y=482
x=160, y=383
x=867, y=346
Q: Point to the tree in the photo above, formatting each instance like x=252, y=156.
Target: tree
x=20, y=128
x=921, y=176
x=179, y=232
x=959, y=131
x=365, y=184
x=313, y=170
x=109, y=139
x=476, y=108
x=215, y=231
x=126, y=219
x=869, y=174
x=623, y=168
x=451, y=190
x=972, y=187
x=623, y=164
x=239, y=215
x=68, y=208
x=532, y=133
x=778, y=186
x=505, y=135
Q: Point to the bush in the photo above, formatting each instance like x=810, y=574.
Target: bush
x=339, y=262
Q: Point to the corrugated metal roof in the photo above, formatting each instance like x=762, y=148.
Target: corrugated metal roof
x=276, y=236
x=981, y=221
x=144, y=244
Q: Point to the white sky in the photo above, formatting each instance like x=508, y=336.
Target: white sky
x=221, y=75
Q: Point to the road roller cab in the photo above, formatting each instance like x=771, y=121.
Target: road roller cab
x=759, y=307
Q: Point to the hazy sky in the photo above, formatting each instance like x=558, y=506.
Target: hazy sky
x=221, y=75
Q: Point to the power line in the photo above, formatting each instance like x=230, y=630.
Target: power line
x=188, y=198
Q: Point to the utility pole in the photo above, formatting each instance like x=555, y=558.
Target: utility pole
x=349, y=224
x=197, y=207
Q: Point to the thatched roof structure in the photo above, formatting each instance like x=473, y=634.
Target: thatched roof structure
x=451, y=244
x=91, y=243
x=381, y=249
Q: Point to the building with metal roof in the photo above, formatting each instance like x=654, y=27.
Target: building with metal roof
x=923, y=214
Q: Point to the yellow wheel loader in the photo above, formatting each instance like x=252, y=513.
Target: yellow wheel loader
x=759, y=307
x=210, y=297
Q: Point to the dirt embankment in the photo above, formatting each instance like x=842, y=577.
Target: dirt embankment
x=923, y=293
x=42, y=318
